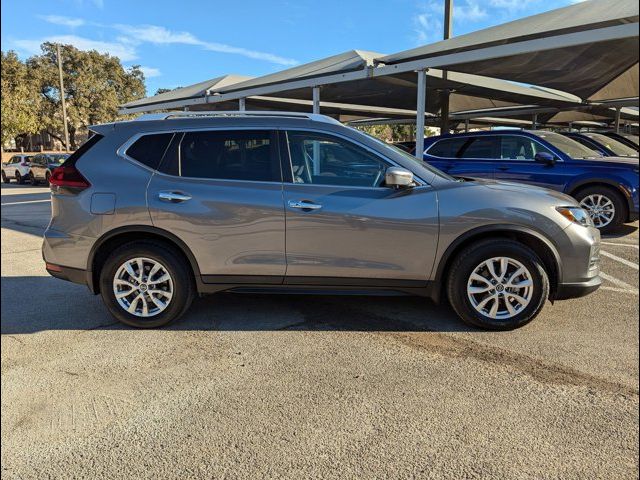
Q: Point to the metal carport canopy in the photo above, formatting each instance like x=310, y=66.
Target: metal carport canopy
x=360, y=83
x=589, y=49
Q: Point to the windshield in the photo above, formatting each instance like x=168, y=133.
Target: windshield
x=568, y=146
x=614, y=145
x=408, y=156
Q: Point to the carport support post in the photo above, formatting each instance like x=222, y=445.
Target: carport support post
x=618, y=120
x=466, y=126
x=242, y=104
x=420, y=110
x=316, y=144
x=316, y=99
x=534, y=121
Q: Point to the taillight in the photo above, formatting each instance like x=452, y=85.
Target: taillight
x=68, y=178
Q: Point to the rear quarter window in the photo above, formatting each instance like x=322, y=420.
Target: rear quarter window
x=448, y=148
x=149, y=149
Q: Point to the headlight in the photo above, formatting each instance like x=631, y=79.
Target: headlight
x=576, y=215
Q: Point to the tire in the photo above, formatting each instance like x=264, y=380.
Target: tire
x=608, y=194
x=5, y=179
x=19, y=178
x=32, y=179
x=181, y=284
x=47, y=178
x=471, y=259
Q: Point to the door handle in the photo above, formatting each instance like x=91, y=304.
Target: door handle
x=304, y=205
x=174, y=197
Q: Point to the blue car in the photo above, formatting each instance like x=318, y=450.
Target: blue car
x=607, y=187
x=600, y=143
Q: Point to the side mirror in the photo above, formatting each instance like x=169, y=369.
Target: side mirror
x=546, y=158
x=396, y=177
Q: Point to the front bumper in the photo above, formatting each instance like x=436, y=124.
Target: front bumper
x=577, y=290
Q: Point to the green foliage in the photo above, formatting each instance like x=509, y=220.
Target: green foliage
x=394, y=133
x=95, y=84
x=20, y=101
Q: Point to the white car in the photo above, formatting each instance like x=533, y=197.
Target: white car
x=17, y=167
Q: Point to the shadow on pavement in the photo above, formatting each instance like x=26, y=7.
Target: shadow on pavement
x=34, y=304
x=622, y=231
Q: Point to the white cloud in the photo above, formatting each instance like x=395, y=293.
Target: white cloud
x=512, y=5
x=427, y=25
x=162, y=36
x=157, y=35
x=123, y=52
x=62, y=20
x=150, y=72
x=132, y=36
x=470, y=11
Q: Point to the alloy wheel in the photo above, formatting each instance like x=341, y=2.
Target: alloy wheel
x=600, y=208
x=143, y=287
x=500, y=288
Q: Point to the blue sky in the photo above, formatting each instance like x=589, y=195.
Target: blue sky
x=178, y=43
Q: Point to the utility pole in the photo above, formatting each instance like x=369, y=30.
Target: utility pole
x=62, y=100
x=444, y=96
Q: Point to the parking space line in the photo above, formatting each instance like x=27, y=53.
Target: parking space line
x=621, y=290
x=24, y=203
x=619, y=259
x=617, y=282
x=630, y=245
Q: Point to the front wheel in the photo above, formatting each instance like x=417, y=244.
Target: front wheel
x=497, y=285
x=146, y=284
x=605, y=206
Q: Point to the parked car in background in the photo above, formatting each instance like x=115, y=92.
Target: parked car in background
x=626, y=138
x=151, y=212
x=607, y=187
x=16, y=168
x=408, y=146
x=43, y=164
x=602, y=144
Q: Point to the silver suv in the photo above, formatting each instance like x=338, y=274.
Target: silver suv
x=149, y=213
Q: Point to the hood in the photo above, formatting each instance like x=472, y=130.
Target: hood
x=631, y=161
x=524, y=189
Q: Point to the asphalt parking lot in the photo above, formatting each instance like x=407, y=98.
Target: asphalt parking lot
x=257, y=386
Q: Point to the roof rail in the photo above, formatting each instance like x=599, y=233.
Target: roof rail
x=173, y=115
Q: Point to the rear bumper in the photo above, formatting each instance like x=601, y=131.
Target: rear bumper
x=577, y=290
x=69, y=274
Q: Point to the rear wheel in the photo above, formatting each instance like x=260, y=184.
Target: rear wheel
x=47, y=177
x=19, y=178
x=5, y=179
x=497, y=284
x=146, y=284
x=605, y=206
x=32, y=179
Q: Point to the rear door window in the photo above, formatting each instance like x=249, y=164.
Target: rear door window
x=482, y=148
x=448, y=148
x=249, y=155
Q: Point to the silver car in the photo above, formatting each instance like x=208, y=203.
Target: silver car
x=152, y=212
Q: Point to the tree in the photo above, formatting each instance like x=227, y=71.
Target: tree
x=19, y=99
x=95, y=84
x=164, y=90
